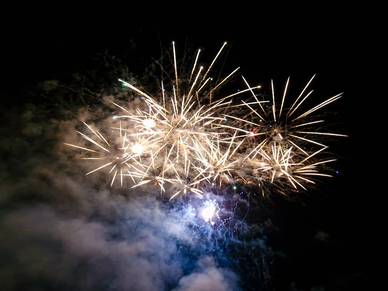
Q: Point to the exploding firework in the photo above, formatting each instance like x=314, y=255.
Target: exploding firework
x=189, y=137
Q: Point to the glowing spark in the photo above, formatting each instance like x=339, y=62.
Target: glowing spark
x=208, y=211
x=137, y=149
x=149, y=123
x=186, y=138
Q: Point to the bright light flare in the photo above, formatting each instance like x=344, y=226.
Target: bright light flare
x=149, y=123
x=137, y=149
x=208, y=211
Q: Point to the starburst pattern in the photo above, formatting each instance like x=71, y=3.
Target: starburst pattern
x=188, y=136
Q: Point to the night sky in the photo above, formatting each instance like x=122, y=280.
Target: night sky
x=320, y=240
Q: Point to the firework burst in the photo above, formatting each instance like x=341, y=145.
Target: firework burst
x=189, y=137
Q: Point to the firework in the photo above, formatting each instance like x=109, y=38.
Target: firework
x=280, y=143
x=189, y=137
x=209, y=211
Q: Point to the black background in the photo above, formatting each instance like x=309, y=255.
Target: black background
x=331, y=41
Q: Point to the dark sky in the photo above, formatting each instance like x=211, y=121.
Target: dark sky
x=266, y=44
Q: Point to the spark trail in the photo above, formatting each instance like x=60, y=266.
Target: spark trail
x=189, y=137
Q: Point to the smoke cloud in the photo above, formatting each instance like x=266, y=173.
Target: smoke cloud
x=61, y=231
